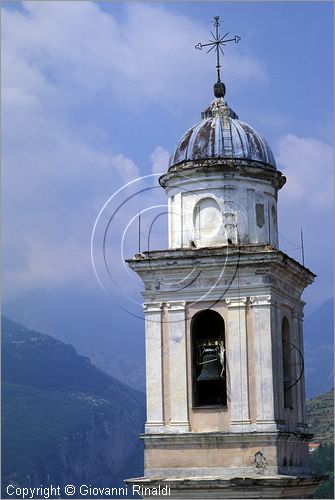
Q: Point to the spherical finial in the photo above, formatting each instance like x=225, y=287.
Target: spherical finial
x=219, y=89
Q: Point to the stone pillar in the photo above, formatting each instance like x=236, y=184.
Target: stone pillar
x=297, y=365
x=170, y=223
x=302, y=380
x=278, y=352
x=178, y=367
x=261, y=309
x=238, y=363
x=176, y=222
x=154, y=382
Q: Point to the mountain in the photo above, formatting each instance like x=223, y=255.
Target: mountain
x=95, y=324
x=319, y=349
x=113, y=338
x=56, y=365
x=64, y=420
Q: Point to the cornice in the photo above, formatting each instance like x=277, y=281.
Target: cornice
x=227, y=167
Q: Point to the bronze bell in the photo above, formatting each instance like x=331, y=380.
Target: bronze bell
x=210, y=366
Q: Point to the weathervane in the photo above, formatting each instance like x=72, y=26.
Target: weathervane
x=218, y=40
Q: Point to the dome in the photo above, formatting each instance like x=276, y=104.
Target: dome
x=220, y=134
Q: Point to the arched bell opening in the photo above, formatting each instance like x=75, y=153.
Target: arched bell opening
x=208, y=359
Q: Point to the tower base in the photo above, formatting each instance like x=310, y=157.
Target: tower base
x=233, y=487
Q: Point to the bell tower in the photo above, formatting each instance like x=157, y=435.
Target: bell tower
x=223, y=325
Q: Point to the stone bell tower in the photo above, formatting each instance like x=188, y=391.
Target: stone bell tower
x=223, y=325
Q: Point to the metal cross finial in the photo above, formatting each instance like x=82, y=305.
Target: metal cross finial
x=218, y=40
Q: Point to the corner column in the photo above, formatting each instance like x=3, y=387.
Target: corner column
x=261, y=308
x=238, y=363
x=176, y=222
x=278, y=354
x=153, y=350
x=178, y=367
x=301, y=382
x=297, y=365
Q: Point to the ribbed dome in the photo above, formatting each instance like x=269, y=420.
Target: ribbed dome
x=220, y=134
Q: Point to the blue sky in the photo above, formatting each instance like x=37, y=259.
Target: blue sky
x=97, y=94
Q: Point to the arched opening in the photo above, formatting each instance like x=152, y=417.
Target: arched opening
x=287, y=364
x=208, y=359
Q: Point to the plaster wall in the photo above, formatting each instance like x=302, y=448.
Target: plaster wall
x=211, y=455
x=212, y=211
x=253, y=309
x=254, y=368
x=224, y=459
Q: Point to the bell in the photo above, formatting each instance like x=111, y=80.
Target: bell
x=210, y=366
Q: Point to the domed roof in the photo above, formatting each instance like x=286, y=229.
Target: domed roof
x=220, y=134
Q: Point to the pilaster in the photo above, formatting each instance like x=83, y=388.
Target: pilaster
x=153, y=349
x=296, y=361
x=278, y=353
x=261, y=312
x=177, y=375
x=238, y=363
x=176, y=222
x=302, y=380
x=170, y=223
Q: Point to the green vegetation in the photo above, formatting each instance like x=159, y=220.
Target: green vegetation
x=320, y=414
x=323, y=463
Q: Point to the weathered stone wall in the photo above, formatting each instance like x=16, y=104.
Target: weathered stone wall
x=213, y=210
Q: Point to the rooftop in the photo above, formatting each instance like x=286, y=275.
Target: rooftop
x=221, y=135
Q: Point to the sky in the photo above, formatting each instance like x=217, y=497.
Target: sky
x=97, y=94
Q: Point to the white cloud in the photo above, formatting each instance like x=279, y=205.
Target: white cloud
x=61, y=60
x=306, y=202
x=242, y=67
x=48, y=265
x=308, y=165
x=79, y=44
x=53, y=181
x=160, y=160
